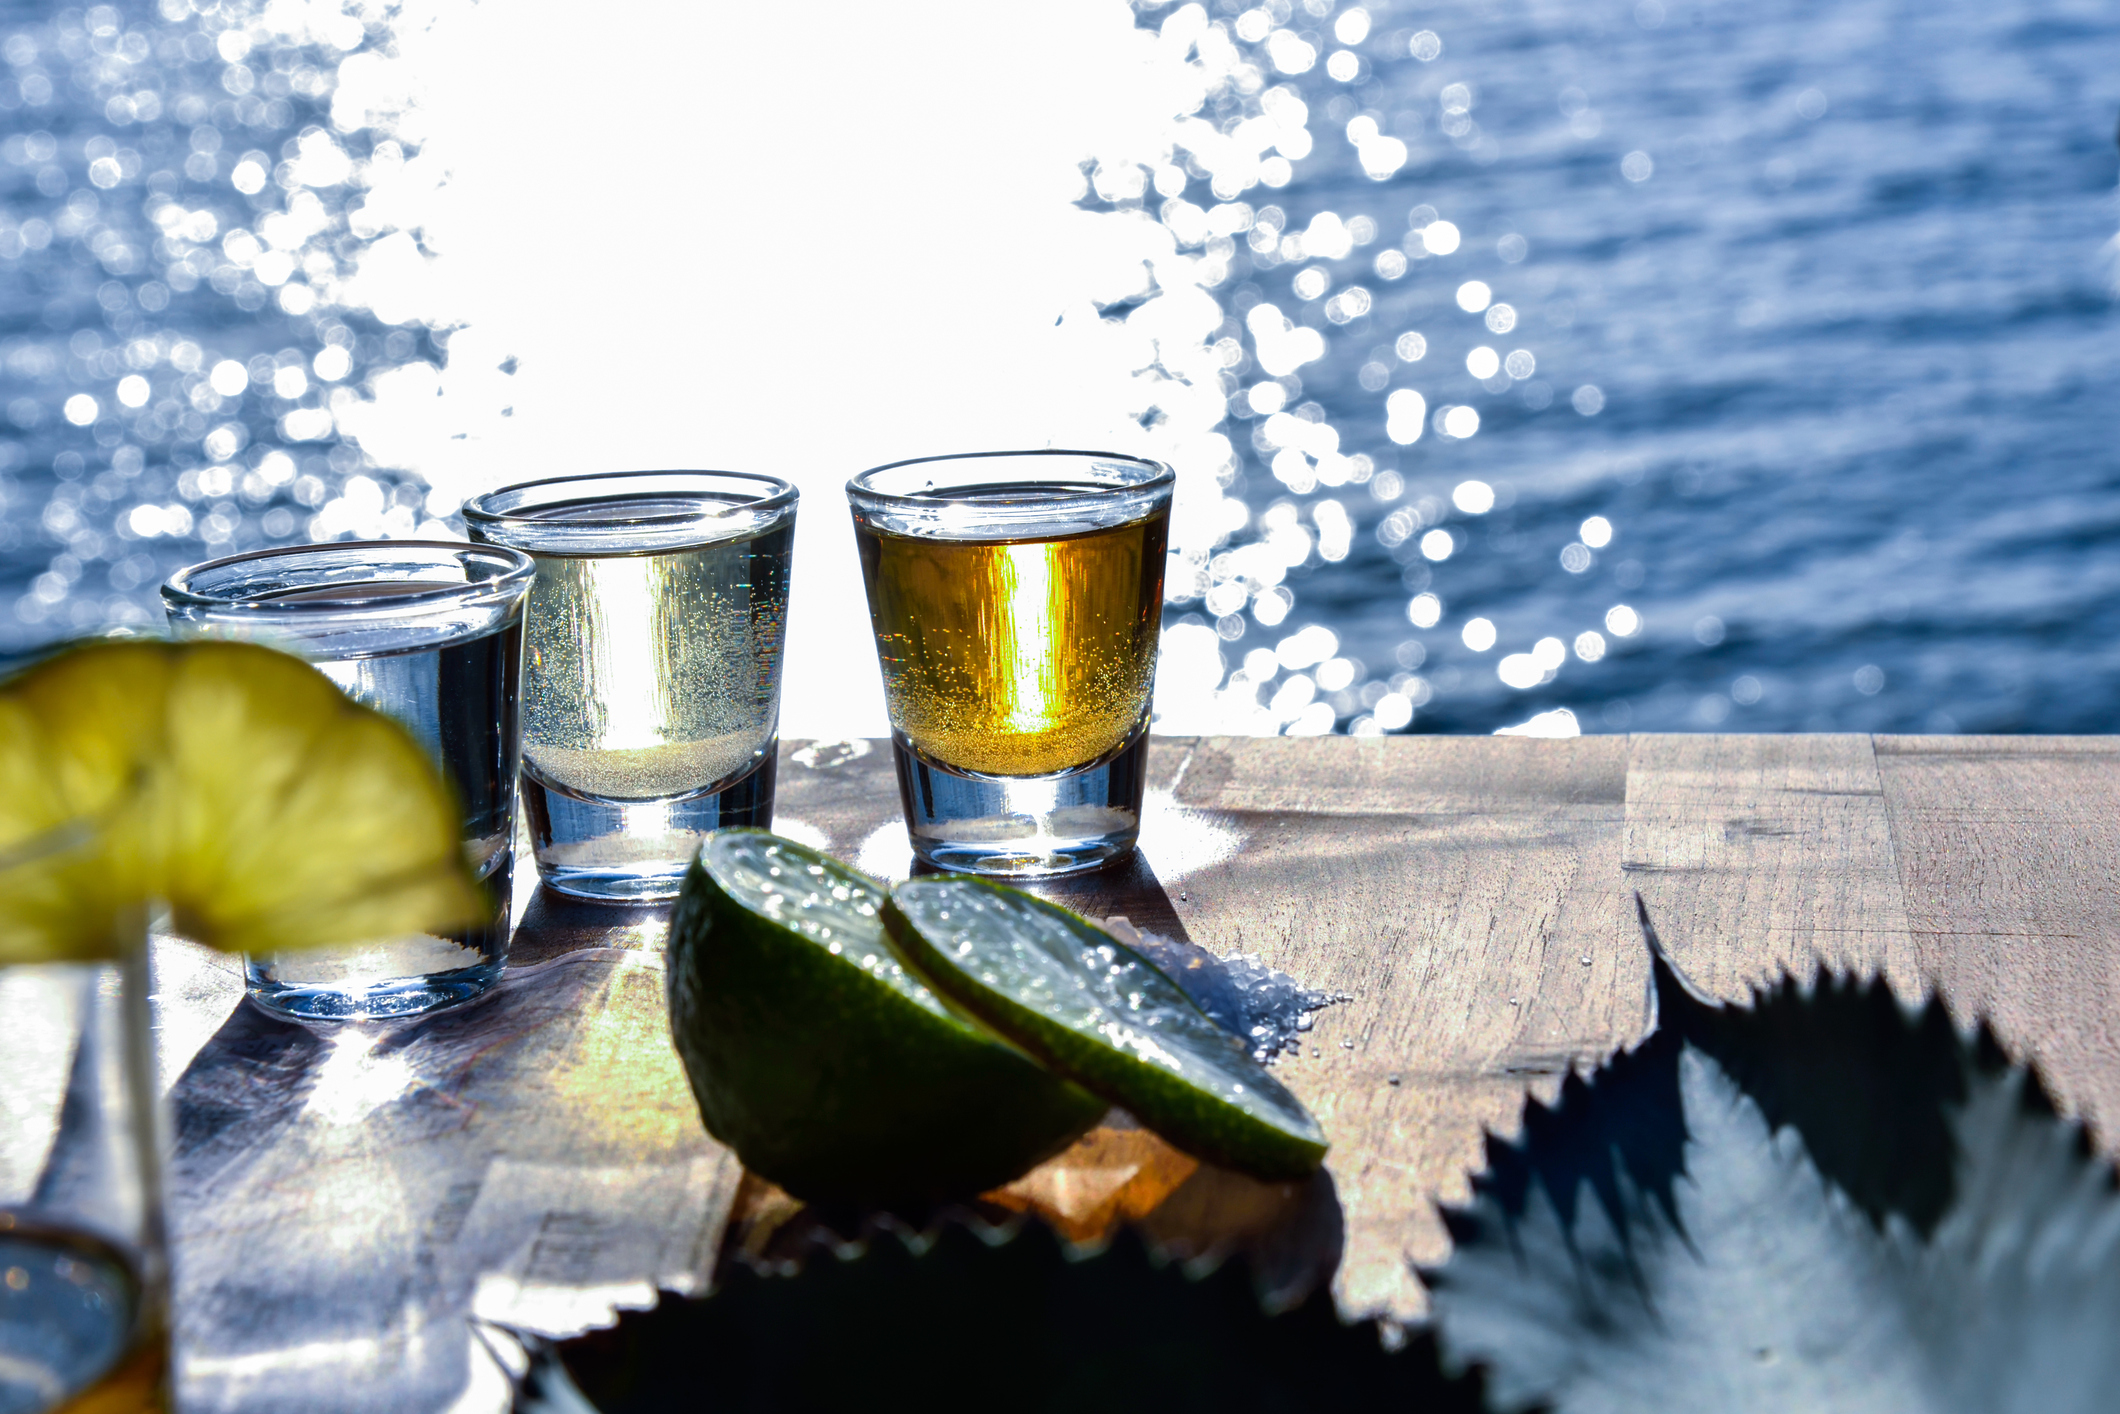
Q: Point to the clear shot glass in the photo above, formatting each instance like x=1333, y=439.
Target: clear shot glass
x=428, y=632
x=652, y=693
x=1016, y=599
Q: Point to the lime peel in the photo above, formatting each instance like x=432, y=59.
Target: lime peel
x=828, y=1066
x=1106, y=1017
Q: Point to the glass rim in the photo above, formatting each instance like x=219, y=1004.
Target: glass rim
x=1161, y=475
x=179, y=592
x=478, y=510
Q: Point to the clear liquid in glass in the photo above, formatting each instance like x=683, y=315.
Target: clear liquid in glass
x=651, y=701
x=458, y=701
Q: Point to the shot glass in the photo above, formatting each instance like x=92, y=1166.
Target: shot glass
x=651, y=706
x=1016, y=599
x=428, y=632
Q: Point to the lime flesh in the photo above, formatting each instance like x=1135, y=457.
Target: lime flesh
x=821, y=1060
x=237, y=785
x=1102, y=1015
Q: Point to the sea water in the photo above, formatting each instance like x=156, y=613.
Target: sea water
x=1841, y=275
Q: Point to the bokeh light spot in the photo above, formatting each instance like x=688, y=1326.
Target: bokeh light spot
x=1474, y=498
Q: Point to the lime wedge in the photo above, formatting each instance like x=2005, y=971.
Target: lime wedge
x=237, y=785
x=828, y=1067
x=1101, y=1014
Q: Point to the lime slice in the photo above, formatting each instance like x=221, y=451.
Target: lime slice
x=1101, y=1014
x=236, y=784
x=827, y=1066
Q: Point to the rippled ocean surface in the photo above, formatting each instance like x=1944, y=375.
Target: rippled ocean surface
x=1684, y=366
x=181, y=216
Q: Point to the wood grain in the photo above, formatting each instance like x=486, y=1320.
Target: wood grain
x=1453, y=887
x=342, y=1205
x=2009, y=851
x=1763, y=853
x=343, y=1199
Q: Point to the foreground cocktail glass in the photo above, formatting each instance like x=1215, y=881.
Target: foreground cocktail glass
x=84, y=1279
x=428, y=632
x=652, y=694
x=1016, y=599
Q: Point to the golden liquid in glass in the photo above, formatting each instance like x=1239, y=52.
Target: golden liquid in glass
x=139, y=1384
x=1017, y=657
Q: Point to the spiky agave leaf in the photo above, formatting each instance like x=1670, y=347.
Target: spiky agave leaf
x=1820, y=1201
x=969, y=1315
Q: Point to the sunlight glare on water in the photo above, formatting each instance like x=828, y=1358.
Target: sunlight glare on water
x=1742, y=316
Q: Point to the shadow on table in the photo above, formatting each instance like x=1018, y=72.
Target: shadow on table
x=554, y=924
x=1289, y=1235
x=1121, y=1274
x=1127, y=888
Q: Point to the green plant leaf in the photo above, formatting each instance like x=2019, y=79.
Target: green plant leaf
x=1822, y=1201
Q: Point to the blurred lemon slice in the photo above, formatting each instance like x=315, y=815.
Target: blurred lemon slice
x=236, y=784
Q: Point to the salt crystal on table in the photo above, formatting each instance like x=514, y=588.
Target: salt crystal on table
x=1266, y=1008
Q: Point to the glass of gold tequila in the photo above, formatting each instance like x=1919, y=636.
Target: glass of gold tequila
x=651, y=681
x=1016, y=599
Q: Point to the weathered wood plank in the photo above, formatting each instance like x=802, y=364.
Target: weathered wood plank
x=1763, y=853
x=1453, y=887
x=2009, y=850
x=341, y=1205
x=842, y=797
x=343, y=1198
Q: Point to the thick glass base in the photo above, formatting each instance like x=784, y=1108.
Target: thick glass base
x=371, y=1000
x=635, y=851
x=1023, y=827
x=393, y=977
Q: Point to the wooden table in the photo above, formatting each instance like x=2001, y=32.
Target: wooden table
x=343, y=1200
